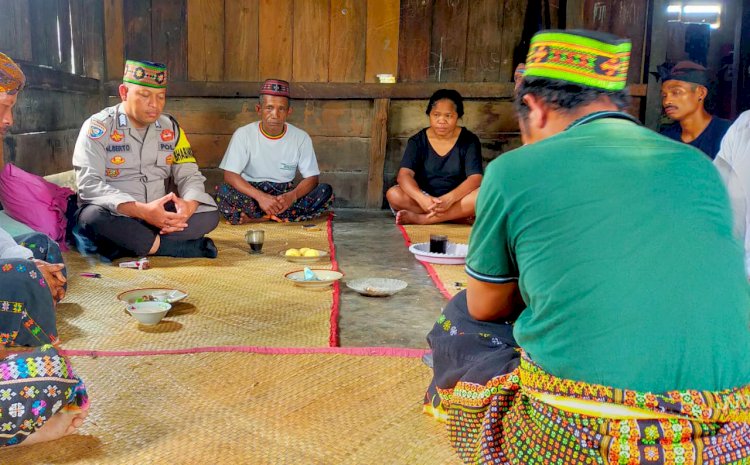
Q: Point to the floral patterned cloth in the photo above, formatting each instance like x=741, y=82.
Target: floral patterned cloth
x=232, y=203
x=34, y=385
x=492, y=398
x=27, y=311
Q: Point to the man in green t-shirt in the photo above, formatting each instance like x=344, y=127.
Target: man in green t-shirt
x=598, y=238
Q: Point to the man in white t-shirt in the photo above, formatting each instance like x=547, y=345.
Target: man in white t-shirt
x=261, y=162
x=733, y=163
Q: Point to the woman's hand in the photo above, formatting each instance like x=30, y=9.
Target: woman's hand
x=54, y=277
x=446, y=202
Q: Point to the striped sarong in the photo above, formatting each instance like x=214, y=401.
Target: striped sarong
x=530, y=417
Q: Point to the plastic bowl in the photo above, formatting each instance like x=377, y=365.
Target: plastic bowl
x=455, y=253
x=149, y=313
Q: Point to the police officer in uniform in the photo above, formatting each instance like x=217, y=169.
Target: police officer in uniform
x=140, y=191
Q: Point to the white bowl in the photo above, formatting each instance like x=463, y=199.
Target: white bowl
x=455, y=254
x=376, y=287
x=152, y=294
x=325, y=278
x=149, y=313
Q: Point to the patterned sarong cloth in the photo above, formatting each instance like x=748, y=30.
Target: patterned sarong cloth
x=34, y=385
x=501, y=408
x=27, y=310
x=504, y=422
x=233, y=203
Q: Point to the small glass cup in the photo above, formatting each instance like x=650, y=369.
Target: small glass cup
x=254, y=238
x=438, y=243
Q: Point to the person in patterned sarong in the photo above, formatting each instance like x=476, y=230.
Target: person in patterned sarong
x=261, y=162
x=41, y=398
x=606, y=317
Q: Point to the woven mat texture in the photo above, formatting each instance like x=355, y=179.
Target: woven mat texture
x=235, y=299
x=239, y=408
x=448, y=275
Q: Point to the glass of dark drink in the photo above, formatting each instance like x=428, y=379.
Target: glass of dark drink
x=438, y=243
x=254, y=238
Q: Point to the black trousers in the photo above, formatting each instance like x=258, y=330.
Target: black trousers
x=117, y=236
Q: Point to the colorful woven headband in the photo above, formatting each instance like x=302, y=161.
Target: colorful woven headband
x=586, y=58
x=145, y=73
x=275, y=87
x=12, y=78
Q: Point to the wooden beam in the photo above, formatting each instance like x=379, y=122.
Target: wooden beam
x=311, y=34
x=276, y=20
x=15, y=33
x=114, y=28
x=657, y=54
x=414, y=41
x=378, y=138
x=348, y=91
x=205, y=41
x=38, y=77
x=574, y=14
x=382, y=39
x=241, y=40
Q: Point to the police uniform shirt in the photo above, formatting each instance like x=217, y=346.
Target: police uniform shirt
x=115, y=164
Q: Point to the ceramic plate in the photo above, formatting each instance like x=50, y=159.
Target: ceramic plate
x=326, y=278
x=153, y=294
x=376, y=287
x=455, y=253
x=323, y=254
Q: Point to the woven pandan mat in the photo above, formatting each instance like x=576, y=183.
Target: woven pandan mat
x=235, y=299
x=244, y=408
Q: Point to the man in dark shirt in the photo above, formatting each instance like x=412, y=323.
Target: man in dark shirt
x=683, y=94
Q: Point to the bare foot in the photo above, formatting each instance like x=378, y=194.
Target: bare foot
x=244, y=219
x=61, y=424
x=407, y=217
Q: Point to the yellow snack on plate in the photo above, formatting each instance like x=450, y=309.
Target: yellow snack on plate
x=311, y=253
x=293, y=253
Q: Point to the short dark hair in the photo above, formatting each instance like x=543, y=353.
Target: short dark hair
x=447, y=94
x=564, y=95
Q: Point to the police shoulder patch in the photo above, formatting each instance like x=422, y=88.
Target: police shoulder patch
x=183, y=152
x=96, y=129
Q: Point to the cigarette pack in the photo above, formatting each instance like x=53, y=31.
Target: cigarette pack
x=142, y=264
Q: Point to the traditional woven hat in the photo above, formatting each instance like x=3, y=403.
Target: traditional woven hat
x=12, y=78
x=145, y=73
x=587, y=58
x=686, y=71
x=275, y=87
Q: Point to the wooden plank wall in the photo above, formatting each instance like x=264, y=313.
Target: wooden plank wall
x=324, y=47
x=62, y=92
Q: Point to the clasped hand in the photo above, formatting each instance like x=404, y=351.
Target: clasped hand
x=54, y=277
x=154, y=213
x=437, y=205
x=274, y=205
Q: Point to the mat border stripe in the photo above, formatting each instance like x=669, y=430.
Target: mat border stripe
x=333, y=334
x=356, y=351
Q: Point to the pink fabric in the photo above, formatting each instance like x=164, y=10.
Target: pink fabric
x=37, y=203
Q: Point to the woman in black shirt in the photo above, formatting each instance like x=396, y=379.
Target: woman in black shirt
x=442, y=167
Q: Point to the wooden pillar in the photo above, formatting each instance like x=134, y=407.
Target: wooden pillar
x=378, y=137
x=657, y=54
x=574, y=14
